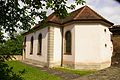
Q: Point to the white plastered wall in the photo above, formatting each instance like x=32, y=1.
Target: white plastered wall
x=89, y=46
x=57, y=46
x=34, y=56
x=106, y=47
x=69, y=60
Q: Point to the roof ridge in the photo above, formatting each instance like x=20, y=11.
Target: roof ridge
x=96, y=13
x=99, y=15
x=80, y=12
x=51, y=16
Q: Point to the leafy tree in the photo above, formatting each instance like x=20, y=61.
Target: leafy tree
x=1, y=36
x=12, y=46
x=13, y=16
x=6, y=72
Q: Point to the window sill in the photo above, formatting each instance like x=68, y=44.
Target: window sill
x=39, y=54
x=67, y=54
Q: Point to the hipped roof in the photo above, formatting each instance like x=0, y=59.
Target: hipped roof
x=84, y=13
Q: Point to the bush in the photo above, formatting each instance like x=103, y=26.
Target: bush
x=6, y=72
x=12, y=46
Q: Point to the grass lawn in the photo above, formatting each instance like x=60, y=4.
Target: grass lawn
x=79, y=72
x=31, y=73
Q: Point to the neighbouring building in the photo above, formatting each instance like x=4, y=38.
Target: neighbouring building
x=115, y=29
x=81, y=41
x=116, y=43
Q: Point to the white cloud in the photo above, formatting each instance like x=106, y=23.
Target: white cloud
x=109, y=9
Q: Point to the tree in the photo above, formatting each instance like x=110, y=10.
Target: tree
x=12, y=46
x=6, y=72
x=1, y=36
x=7, y=48
x=13, y=16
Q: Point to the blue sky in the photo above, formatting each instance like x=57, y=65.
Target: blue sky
x=109, y=9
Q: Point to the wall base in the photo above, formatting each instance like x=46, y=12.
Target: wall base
x=92, y=66
x=81, y=66
x=69, y=64
x=35, y=62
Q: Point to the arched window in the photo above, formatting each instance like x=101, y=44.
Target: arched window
x=31, y=46
x=24, y=44
x=39, y=44
x=24, y=41
x=68, y=42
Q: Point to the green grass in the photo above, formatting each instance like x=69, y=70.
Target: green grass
x=79, y=72
x=31, y=73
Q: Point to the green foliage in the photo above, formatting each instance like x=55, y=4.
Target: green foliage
x=13, y=16
x=12, y=46
x=31, y=73
x=1, y=36
x=6, y=73
x=8, y=47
